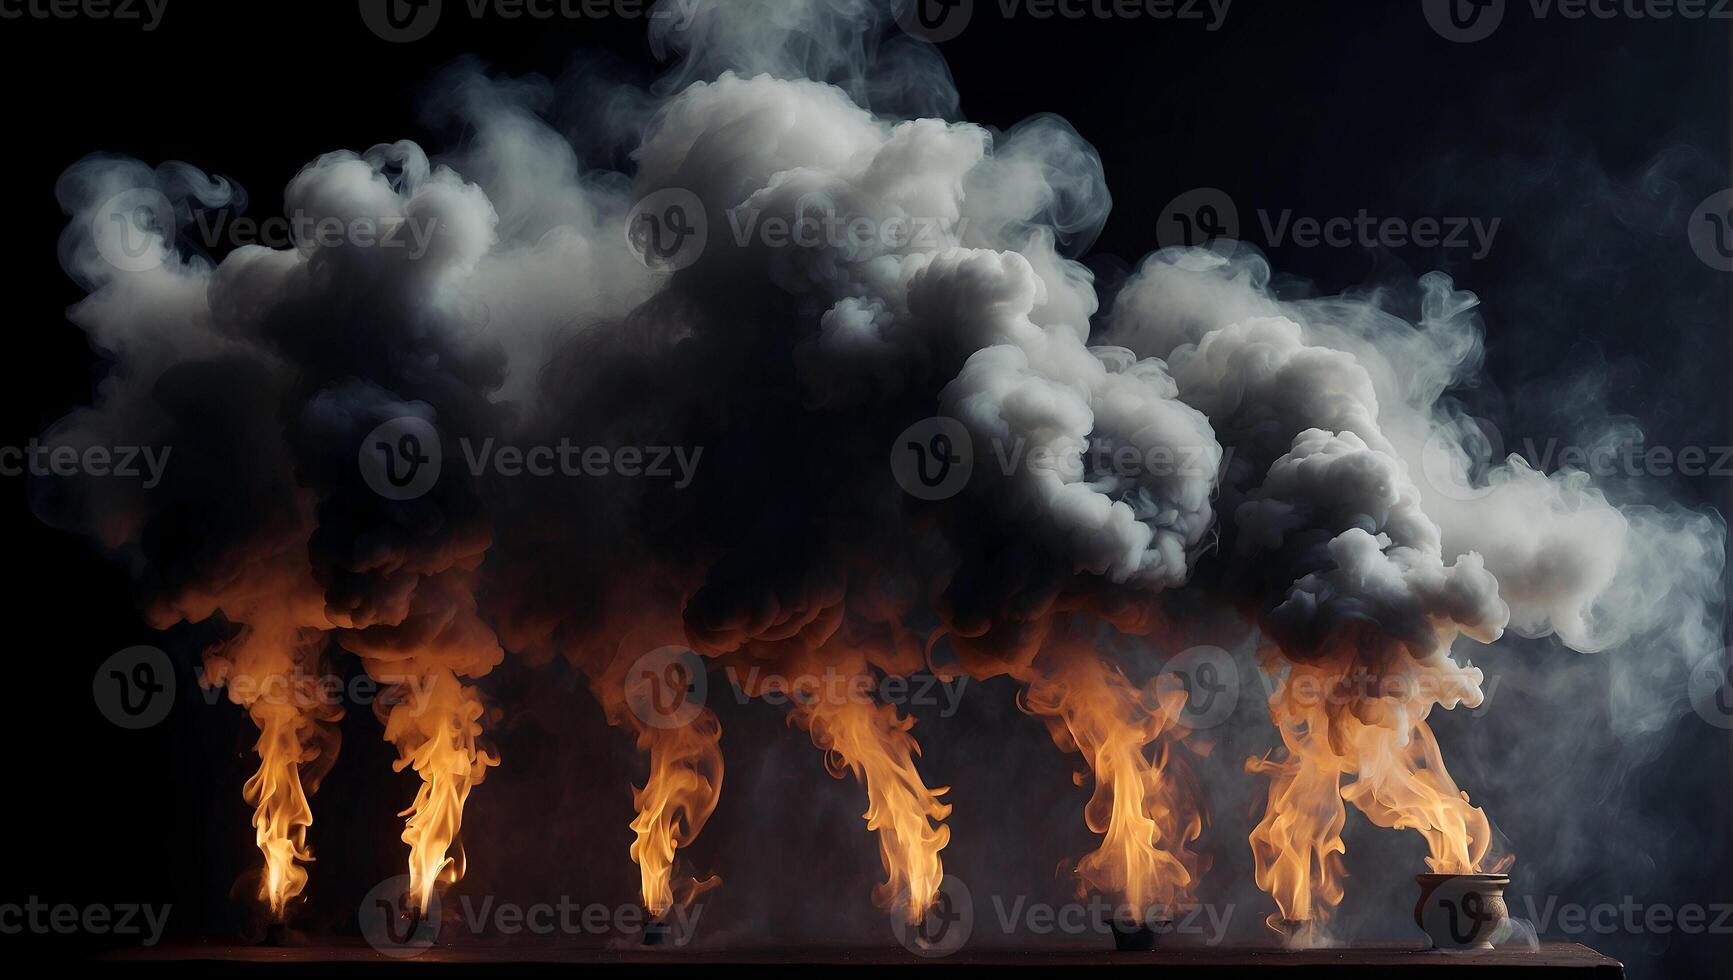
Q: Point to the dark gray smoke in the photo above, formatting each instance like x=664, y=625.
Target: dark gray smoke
x=1319, y=483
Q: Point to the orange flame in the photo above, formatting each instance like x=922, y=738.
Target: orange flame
x=1145, y=804
x=435, y=725
x=272, y=668
x=1403, y=785
x=1400, y=782
x=873, y=742
x=281, y=814
x=1297, y=847
x=682, y=791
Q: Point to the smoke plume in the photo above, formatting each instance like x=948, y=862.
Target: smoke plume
x=1198, y=449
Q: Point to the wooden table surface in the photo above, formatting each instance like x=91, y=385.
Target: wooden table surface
x=188, y=962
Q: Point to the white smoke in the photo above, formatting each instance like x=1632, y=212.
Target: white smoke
x=1303, y=492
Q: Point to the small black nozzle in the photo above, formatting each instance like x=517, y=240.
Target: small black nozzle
x=1132, y=937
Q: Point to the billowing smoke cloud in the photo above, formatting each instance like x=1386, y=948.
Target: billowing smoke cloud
x=870, y=268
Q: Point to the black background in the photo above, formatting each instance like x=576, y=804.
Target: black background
x=1326, y=108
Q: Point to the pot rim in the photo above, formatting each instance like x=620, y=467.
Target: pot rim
x=1484, y=879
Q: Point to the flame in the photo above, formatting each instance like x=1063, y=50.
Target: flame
x=1145, y=803
x=873, y=742
x=682, y=791
x=1403, y=785
x=1400, y=782
x=435, y=725
x=1297, y=847
x=281, y=813
x=273, y=668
